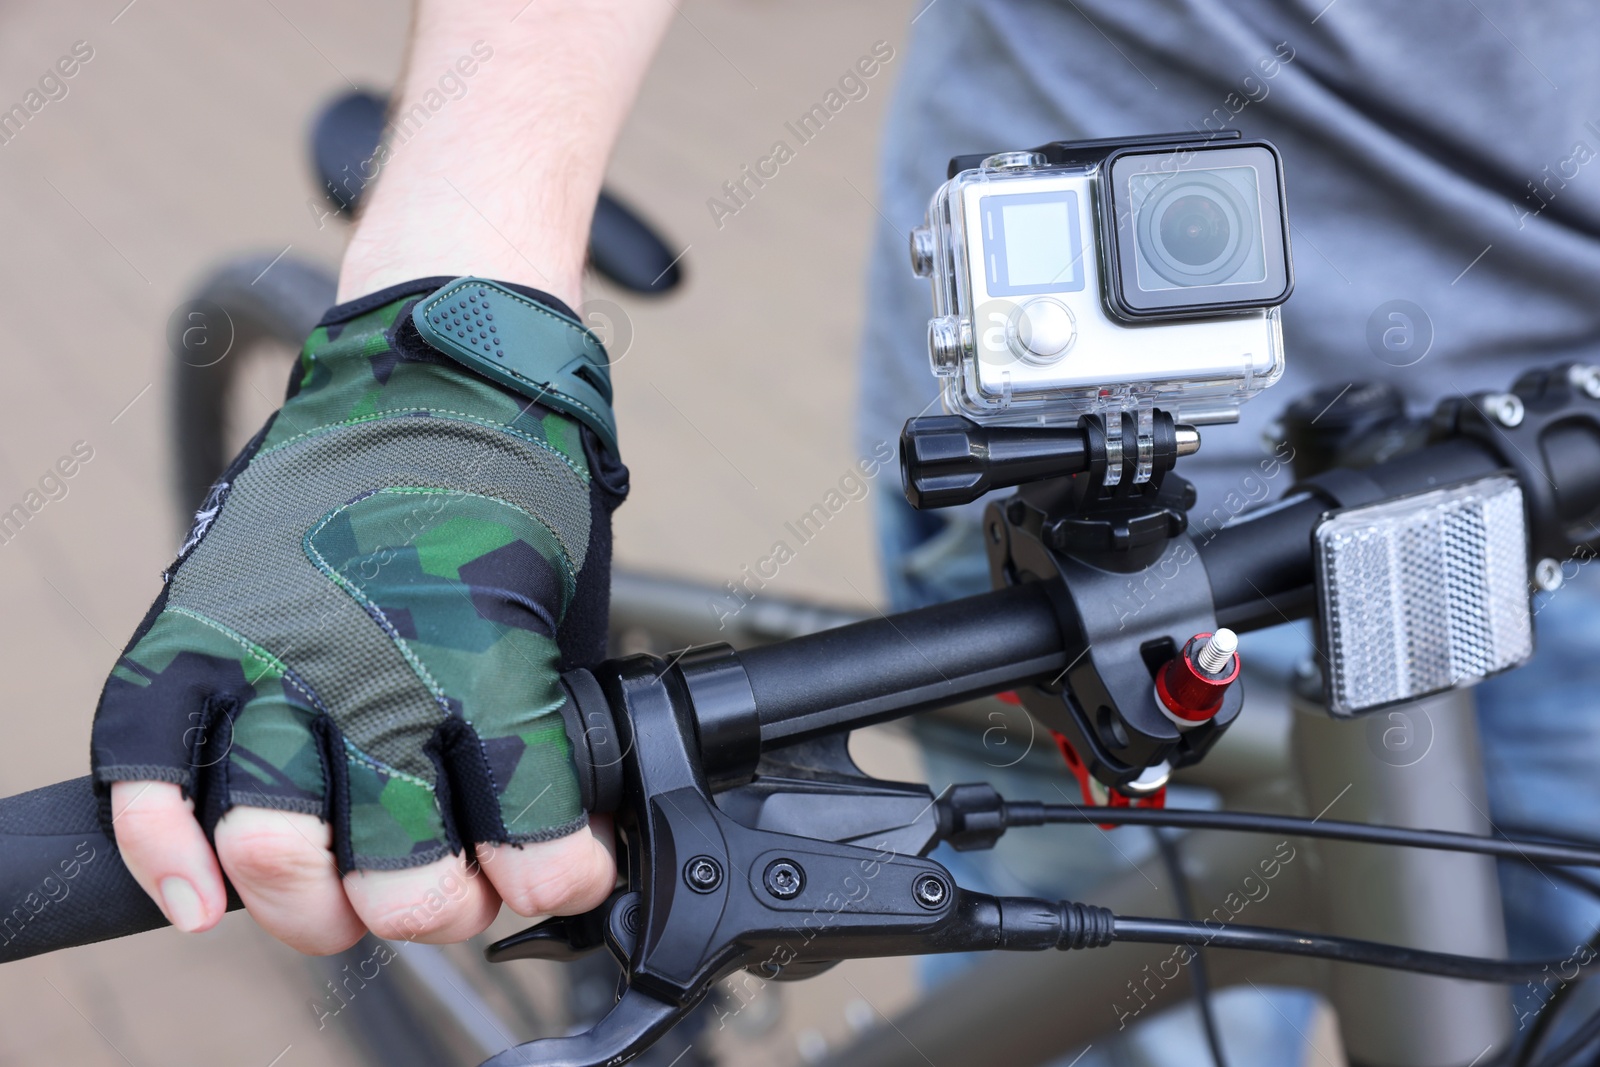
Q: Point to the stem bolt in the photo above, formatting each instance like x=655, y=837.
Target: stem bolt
x=1587, y=379
x=784, y=879
x=930, y=891
x=1547, y=575
x=703, y=874
x=1505, y=408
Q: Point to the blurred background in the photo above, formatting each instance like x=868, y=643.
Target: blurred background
x=181, y=142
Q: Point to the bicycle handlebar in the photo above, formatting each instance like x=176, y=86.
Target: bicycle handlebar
x=62, y=881
x=1259, y=565
x=892, y=666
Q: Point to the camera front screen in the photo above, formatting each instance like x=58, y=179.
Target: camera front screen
x=1198, y=229
x=1032, y=243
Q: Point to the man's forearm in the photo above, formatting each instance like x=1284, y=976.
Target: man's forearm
x=501, y=181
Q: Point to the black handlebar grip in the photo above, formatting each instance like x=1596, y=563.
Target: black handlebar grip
x=62, y=881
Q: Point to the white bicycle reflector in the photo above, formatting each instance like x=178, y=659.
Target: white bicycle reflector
x=1423, y=594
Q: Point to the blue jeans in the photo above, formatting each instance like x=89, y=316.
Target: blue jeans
x=1541, y=740
x=1541, y=746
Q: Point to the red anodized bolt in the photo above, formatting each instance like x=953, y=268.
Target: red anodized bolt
x=1191, y=685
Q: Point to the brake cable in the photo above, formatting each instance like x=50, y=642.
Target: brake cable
x=973, y=816
x=1199, y=973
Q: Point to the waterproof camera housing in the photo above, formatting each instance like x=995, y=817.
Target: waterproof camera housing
x=1095, y=277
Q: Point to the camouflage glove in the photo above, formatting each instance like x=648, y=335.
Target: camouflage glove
x=368, y=619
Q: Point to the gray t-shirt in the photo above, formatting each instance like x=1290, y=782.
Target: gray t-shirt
x=1441, y=152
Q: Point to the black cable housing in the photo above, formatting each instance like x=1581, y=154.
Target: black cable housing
x=1031, y=813
x=1199, y=973
x=1327, y=947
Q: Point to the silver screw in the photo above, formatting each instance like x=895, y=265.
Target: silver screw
x=1586, y=379
x=1505, y=409
x=784, y=879
x=703, y=874
x=930, y=891
x=1547, y=575
x=1217, y=652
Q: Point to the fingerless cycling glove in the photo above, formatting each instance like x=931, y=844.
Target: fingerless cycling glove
x=368, y=619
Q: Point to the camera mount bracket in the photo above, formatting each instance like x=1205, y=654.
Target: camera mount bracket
x=1138, y=596
x=1099, y=507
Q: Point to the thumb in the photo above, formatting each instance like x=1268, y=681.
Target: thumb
x=167, y=853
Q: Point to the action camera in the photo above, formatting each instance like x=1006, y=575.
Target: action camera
x=1100, y=276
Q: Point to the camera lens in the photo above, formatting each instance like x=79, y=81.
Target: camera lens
x=1194, y=229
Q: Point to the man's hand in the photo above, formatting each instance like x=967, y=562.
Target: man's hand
x=352, y=672
x=343, y=738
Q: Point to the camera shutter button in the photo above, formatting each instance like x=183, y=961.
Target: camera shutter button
x=1041, y=330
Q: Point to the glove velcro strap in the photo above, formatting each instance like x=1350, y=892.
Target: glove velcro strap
x=524, y=346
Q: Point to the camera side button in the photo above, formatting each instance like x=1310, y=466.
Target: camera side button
x=945, y=346
x=1041, y=330
x=922, y=252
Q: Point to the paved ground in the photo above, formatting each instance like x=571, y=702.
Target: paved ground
x=180, y=142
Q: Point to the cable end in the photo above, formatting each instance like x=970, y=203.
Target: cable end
x=1085, y=926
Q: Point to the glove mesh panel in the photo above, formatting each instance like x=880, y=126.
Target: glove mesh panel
x=251, y=571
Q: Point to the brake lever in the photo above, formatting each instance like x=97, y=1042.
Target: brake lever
x=628, y=1029
x=709, y=895
x=562, y=939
